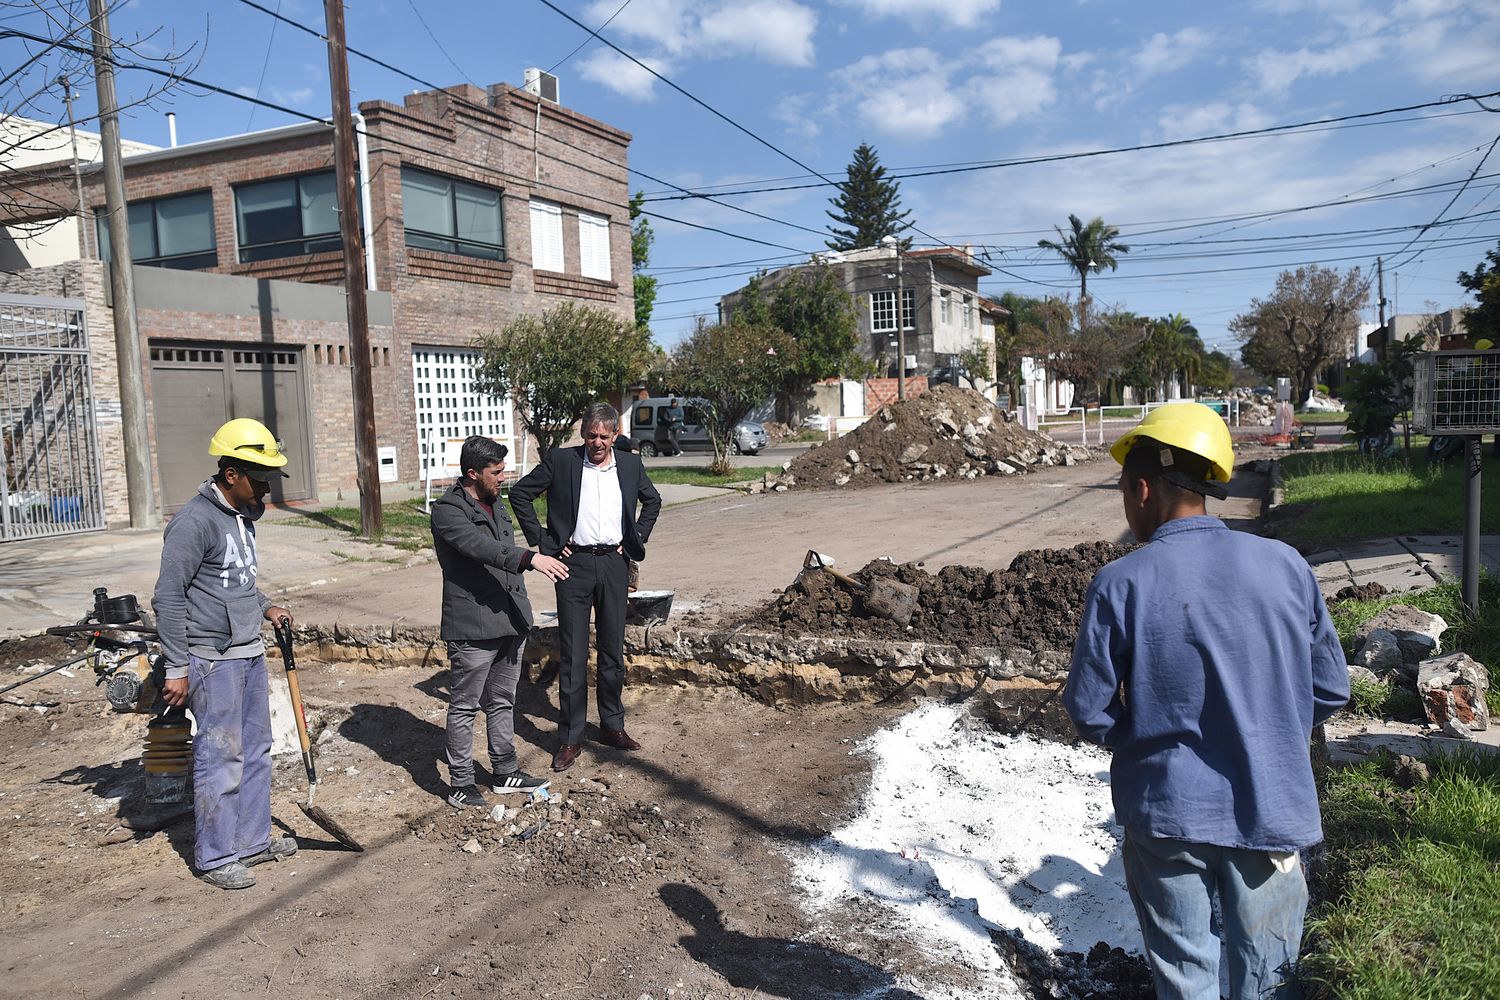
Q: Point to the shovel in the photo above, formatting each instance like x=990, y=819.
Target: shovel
x=283, y=631
x=882, y=596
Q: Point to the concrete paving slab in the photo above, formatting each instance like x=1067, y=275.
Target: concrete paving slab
x=1378, y=554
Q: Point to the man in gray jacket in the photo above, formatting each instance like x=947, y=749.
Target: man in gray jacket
x=486, y=616
x=208, y=619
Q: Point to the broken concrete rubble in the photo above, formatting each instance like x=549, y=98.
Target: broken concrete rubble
x=1396, y=640
x=1453, y=689
x=947, y=432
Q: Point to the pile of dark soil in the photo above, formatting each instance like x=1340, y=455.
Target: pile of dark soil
x=1035, y=604
x=1104, y=972
x=1361, y=592
x=581, y=836
x=946, y=432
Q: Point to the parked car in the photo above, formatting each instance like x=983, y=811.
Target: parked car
x=748, y=438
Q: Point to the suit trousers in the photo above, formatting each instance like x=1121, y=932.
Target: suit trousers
x=595, y=583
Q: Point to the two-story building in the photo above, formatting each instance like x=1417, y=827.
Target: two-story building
x=940, y=311
x=478, y=206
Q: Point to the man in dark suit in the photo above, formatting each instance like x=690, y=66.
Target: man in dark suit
x=593, y=493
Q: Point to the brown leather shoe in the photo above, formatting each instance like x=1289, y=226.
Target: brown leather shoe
x=565, y=756
x=619, y=739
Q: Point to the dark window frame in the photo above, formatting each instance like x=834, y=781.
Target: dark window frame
x=191, y=261
x=455, y=244
x=303, y=245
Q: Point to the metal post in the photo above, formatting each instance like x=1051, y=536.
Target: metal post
x=1474, y=445
x=367, y=467
x=83, y=213
x=122, y=284
x=900, y=331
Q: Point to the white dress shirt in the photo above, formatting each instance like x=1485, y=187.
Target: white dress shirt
x=600, y=506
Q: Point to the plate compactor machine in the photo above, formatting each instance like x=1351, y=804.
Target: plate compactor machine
x=120, y=645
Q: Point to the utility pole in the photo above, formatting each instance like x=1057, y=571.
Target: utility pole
x=900, y=329
x=121, y=283
x=370, y=516
x=1380, y=292
x=82, y=213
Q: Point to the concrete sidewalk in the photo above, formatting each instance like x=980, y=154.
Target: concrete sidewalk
x=1400, y=563
x=51, y=581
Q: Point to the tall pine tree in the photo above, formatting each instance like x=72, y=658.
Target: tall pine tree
x=868, y=206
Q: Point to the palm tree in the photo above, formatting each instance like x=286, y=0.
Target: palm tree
x=1085, y=247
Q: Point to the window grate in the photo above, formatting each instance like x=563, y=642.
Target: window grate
x=1456, y=392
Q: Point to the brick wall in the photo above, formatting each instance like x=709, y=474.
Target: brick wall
x=501, y=138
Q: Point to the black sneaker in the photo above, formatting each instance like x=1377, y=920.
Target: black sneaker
x=517, y=781
x=466, y=797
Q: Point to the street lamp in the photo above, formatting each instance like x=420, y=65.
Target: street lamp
x=894, y=245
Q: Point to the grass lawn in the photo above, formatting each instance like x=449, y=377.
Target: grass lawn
x=406, y=523
x=1410, y=888
x=698, y=475
x=1340, y=496
x=1321, y=418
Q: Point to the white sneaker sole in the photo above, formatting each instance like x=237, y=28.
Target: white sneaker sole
x=528, y=789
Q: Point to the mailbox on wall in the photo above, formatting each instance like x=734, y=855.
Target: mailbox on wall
x=386, y=458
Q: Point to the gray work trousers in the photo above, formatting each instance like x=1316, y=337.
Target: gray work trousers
x=483, y=673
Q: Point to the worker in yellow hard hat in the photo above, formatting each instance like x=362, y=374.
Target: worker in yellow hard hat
x=1203, y=660
x=208, y=618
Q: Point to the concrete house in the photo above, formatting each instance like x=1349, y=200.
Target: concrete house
x=478, y=205
x=940, y=303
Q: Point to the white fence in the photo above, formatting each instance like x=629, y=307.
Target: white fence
x=1100, y=425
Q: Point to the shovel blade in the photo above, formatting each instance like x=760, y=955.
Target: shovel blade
x=331, y=825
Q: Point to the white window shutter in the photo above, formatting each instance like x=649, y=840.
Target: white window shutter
x=546, y=236
x=593, y=245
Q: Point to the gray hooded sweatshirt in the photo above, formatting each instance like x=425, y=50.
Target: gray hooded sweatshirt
x=206, y=600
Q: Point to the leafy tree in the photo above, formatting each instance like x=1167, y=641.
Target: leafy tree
x=1169, y=348
x=1087, y=246
x=1034, y=328
x=976, y=362
x=1483, y=320
x=812, y=307
x=867, y=207
x=641, y=238
x=732, y=367
x=1217, y=372
x=1096, y=351
x=1307, y=322
x=556, y=364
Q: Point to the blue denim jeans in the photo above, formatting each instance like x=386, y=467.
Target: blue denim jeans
x=230, y=700
x=1174, y=885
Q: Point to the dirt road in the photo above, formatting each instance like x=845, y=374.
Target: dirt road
x=664, y=875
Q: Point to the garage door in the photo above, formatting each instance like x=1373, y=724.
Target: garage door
x=196, y=387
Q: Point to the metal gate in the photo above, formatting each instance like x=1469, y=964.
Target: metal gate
x=50, y=477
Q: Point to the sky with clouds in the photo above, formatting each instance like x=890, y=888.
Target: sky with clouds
x=935, y=86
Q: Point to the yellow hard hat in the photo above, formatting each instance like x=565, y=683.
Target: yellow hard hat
x=248, y=440
x=1192, y=427
x=1484, y=344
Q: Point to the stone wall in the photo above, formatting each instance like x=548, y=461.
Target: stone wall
x=775, y=669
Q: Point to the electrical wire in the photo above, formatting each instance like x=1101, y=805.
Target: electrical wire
x=592, y=35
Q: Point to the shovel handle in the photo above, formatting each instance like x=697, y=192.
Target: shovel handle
x=284, y=640
x=814, y=561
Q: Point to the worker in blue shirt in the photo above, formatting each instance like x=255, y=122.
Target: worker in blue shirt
x=1203, y=661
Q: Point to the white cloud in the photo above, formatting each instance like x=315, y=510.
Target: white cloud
x=792, y=111
x=1164, y=53
x=777, y=31
x=1277, y=71
x=904, y=92
x=959, y=13
x=610, y=69
x=1015, y=77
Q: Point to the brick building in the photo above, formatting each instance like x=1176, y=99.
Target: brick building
x=478, y=206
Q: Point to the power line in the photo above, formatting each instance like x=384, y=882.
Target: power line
x=592, y=35
x=1087, y=154
x=1456, y=195
x=264, y=65
x=451, y=61
x=433, y=86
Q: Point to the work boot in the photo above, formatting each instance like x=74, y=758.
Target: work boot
x=466, y=797
x=517, y=781
x=279, y=849
x=231, y=876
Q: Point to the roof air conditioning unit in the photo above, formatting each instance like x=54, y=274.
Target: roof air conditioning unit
x=542, y=84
